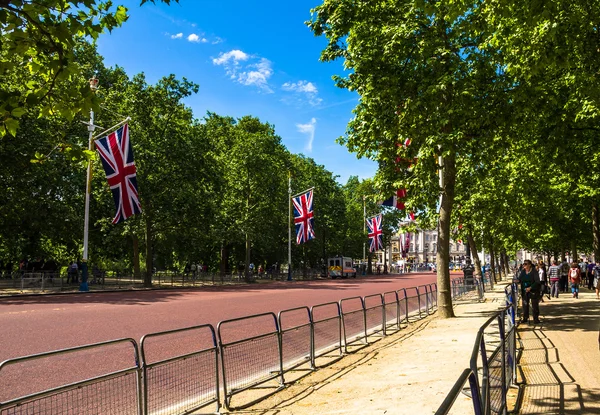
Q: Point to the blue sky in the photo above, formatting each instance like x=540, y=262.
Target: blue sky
x=250, y=58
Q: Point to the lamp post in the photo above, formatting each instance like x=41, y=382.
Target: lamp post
x=91, y=127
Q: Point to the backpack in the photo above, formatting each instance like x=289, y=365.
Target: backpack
x=573, y=274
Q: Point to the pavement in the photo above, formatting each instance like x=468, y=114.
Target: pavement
x=559, y=370
x=411, y=371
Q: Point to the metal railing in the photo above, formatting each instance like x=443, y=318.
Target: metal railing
x=184, y=370
x=492, y=366
x=185, y=381
x=116, y=392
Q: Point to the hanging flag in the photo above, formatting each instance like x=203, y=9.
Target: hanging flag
x=375, y=232
x=404, y=244
x=396, y=200
x=117, y=159
x=304, y=217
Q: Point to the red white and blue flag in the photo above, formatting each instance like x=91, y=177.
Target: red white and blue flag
x=117, y=159
x=375, y=232
x=304, y=217
x=396, y=200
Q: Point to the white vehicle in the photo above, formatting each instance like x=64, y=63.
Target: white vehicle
x=340, y=267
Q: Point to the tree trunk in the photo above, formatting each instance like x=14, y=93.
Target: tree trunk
x=224, y=259
x=247, y=275
x=370, y=265
x=149, y=253
x=492, y=261
x=506, y=262
x=574, y=255
x=473, y=247
x=563, y=257
x=596, y=232
x=445, y=308
x=137, y=274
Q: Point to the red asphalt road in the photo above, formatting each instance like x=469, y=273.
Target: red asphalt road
x=36, y=324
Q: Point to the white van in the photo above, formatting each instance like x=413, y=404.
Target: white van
x=340, y=267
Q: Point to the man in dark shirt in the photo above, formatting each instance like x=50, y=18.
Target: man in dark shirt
x=530, y=291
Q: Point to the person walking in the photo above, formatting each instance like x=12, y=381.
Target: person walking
x=564, y=278
x=575, y=279
x=591, y=277
x=541, y=269
x=596, y=278
x=554, y=278
x=530, y=291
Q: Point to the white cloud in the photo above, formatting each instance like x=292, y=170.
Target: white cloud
x=197, y=39
x=308, y=129
x=308, y=89
x=217, y=40
x=258, y=77
x=177, y=36
x=300, y=86
x=253, y=74
x=233, y=55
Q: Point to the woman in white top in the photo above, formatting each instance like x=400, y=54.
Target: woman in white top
x=541, y=269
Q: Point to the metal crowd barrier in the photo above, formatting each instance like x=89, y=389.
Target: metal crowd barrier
x=412, y=301
x=492, y=368
x=391, y=310
x=185, y=382
x=249, y=361
x=353, y=321
x=117, y=392
x=184, y=376
x=326, y=328
x=297, y=337
x=375, y=321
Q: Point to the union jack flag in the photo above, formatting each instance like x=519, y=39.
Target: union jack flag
x=304, y=217
x=117, y=159
x=375, y=233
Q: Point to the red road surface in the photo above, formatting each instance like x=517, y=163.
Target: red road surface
x=38, y=324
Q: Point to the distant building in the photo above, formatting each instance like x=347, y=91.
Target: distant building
x=422, y=248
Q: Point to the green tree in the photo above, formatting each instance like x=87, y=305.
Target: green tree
x=40, y=38
x=421, y=74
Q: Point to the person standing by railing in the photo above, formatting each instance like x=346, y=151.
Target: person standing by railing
x=530, y=291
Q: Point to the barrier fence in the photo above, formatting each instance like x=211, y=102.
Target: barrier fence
x=184, y=382
x=116, y=392
x=184, y=370
x=492, y=367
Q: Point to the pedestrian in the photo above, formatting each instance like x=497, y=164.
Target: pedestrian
x=541, y=269
x=554, y=278
x=583, y=269
x=591, y=278
x=564, y=272
x=575, y=279
x=72, y=273
x=596, y=278
x=530, y=291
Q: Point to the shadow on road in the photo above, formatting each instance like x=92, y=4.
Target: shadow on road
x=150, y=296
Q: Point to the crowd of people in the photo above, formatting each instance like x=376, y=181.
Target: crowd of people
x=537, y=281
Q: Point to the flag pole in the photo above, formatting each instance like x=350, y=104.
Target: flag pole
x=91, y=127
x=289, y=276
x=364, y=227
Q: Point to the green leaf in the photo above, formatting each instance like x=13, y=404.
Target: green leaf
x=11, y=126
x=18, y=112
